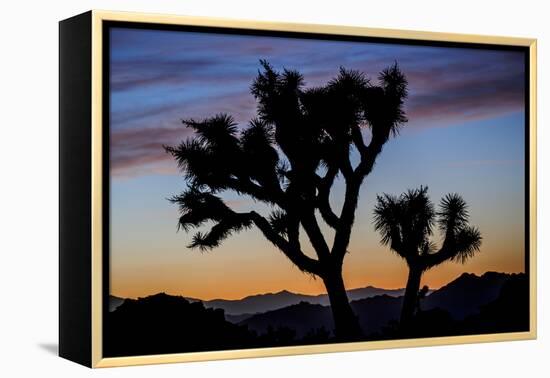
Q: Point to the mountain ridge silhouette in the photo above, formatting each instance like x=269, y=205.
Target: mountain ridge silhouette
x=238, y=310
x=259, y=303
x=461, y=297
x=162, y=323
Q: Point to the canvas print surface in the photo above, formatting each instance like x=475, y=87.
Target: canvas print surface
x=282, y=190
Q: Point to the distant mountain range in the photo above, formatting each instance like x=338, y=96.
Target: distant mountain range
x=462, y=297
x=273, y=301
x=239, y=309
x=161, y=323
x=374, y=306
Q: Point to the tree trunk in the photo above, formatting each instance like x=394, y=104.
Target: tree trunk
x=346, y=324
x=411, y=296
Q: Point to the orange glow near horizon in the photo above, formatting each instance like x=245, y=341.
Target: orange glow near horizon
x=303, y=285
x=219, y=279
x=246, y=264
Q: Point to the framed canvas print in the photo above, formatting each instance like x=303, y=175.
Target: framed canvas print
x=236, y=189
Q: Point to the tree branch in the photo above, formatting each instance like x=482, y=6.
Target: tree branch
x=315, y=235
x=256, y=191
x=323, y=195
x=460, y=246
x=433, y=259
x=369, y=155
x=347, y=216
x=353, y=185
x=293, y=232
x=358, y=141
x=220, y=231
x=345, y=165
x=396, y=243
x=301, y=260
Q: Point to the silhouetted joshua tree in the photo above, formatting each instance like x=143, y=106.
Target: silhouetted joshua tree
x=288, y=158
x=406, y=224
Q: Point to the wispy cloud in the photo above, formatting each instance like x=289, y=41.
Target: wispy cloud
x=139, y=151
x=464, y=92
x=158, y=77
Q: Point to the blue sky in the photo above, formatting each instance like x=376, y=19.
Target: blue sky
x=465, y=134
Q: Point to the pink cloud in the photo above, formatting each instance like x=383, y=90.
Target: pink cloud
x=139, y=151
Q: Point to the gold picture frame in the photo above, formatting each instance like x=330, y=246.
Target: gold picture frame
x=90, y=331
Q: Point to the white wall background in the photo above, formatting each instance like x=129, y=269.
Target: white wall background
x=29, y=174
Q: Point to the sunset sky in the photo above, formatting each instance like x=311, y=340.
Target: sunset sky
x=465, y=134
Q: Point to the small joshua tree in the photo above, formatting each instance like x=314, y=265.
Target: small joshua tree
x=406, y=224
x=289, y=158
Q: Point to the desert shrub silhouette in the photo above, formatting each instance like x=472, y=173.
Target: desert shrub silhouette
x=164, y=323
x=167, y=324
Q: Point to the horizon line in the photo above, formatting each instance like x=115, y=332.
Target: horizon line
x=311, y=295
